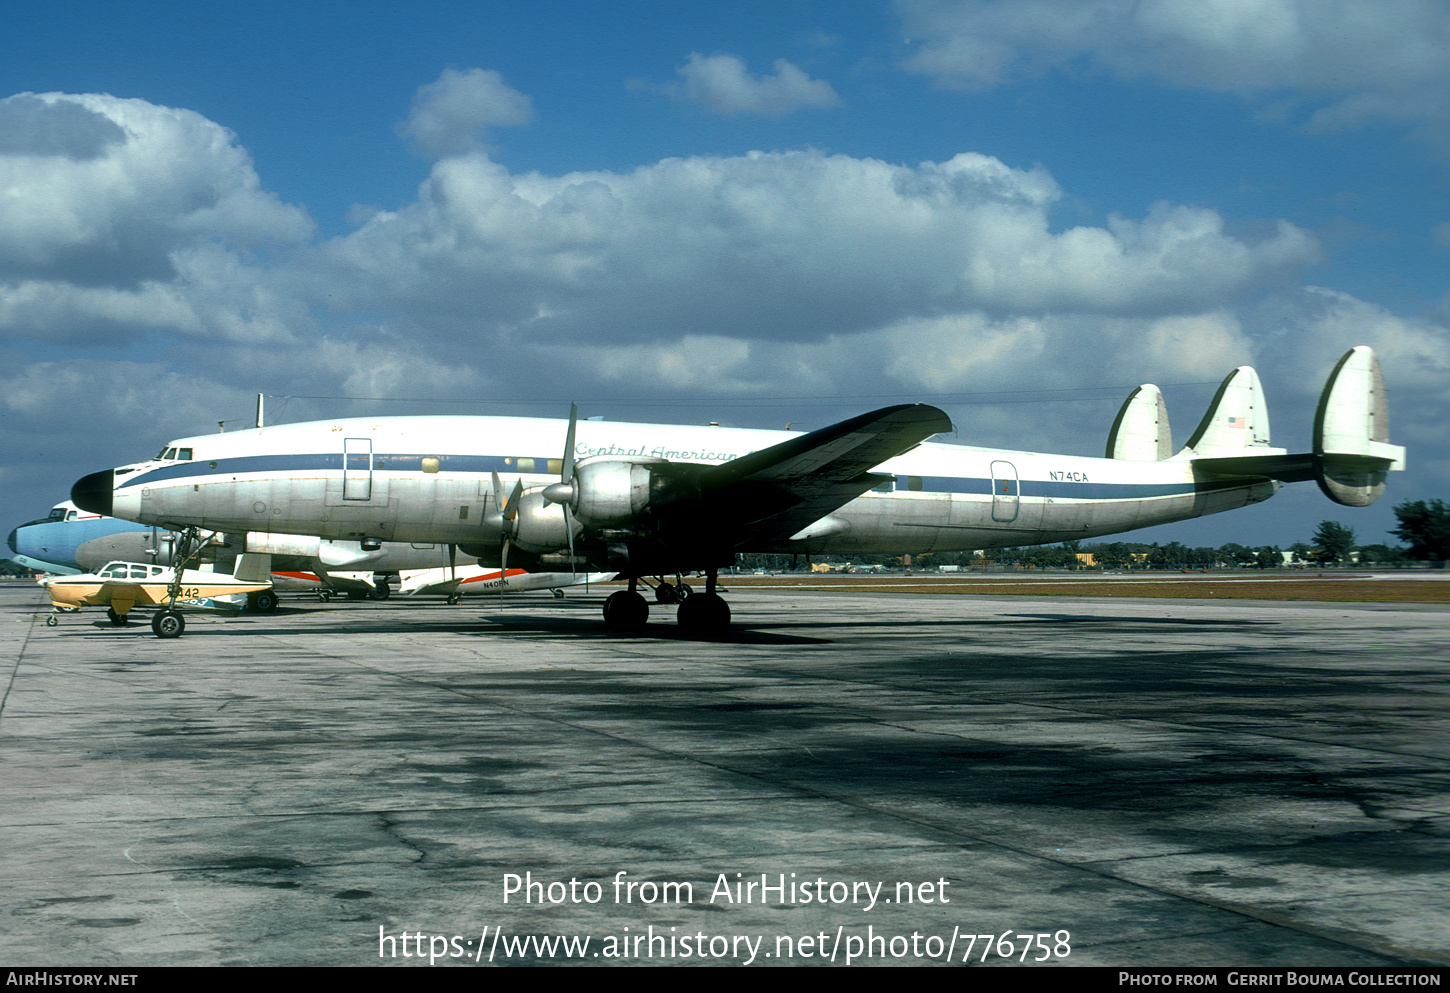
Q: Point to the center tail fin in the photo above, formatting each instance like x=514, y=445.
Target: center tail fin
x=1237, y=421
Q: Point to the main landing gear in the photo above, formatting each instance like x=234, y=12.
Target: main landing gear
x=700, y=614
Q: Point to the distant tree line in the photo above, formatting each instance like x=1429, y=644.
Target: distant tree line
x=1425, y=525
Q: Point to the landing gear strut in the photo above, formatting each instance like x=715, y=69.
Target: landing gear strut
x=700, y=614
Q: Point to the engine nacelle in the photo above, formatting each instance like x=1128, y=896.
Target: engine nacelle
x=540, y=525
x=610, y=492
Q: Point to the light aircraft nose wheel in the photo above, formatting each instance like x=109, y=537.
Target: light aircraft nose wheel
x=168, y=624
x=625, y=610
x=118, y=620
x=454, y=598
x=558, y=593
x=704, y=615
x=263, y=601
x=51, y=621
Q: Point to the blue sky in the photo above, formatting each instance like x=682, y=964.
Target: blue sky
x=747, y=212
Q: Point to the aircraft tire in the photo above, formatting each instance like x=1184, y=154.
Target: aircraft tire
x=117, y=620
x=704, y=615
x=665, y=593
x=625, y=611
x=51, y=621
x=263, y=601
x=168, y=624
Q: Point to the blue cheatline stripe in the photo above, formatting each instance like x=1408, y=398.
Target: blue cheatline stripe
x=317, y=463
x=509, y=465
x=1062, y=490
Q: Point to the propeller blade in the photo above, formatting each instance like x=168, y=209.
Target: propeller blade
x=569, y=530
x=566, y=476
x=568, y=472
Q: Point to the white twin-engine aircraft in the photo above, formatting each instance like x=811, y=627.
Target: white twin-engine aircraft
x=653, y=500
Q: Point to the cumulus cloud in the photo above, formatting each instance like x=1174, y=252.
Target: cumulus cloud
x=1369, y=59
x=795, y=245
x=722, y=83
x=124, y=219
x=104, y=191
x=452, y=115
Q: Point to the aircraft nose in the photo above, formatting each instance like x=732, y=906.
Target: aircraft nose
x=10, y=540
x=93, y=492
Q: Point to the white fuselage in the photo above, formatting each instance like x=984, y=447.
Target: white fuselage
x=429, y=479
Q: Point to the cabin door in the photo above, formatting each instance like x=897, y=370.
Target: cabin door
x=1005, y=492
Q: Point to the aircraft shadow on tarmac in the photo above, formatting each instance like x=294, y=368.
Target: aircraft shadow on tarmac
x=511, y=622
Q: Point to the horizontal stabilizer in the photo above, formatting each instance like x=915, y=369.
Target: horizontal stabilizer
x=1140, y=432
x=254, y=568
x=1352, y=431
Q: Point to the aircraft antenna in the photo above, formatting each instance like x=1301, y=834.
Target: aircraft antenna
x=259, y=408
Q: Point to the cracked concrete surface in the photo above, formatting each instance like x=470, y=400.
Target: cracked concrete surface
x=1235, y=783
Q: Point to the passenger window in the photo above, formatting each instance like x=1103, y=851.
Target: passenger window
x=556, y=466
x=526, y=465
x=913, y=483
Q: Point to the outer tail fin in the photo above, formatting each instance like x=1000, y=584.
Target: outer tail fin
x=1140, y=433
x=1352, y=432
x=1237, y=422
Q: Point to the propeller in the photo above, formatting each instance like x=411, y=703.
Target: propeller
x=504, y=520
x=564, y=492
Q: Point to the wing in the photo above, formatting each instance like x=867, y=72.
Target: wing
x=772, y=494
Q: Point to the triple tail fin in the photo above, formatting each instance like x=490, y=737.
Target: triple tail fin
x=1352, y=432
x=1237, y=422
x=1140, y=432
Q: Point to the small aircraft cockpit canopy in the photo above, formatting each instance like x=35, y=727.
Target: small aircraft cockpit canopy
x=130, y=570
x=174, y=454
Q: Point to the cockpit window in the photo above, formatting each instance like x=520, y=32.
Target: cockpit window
x=184, y=454
x=161, y=455
x=58, y=514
